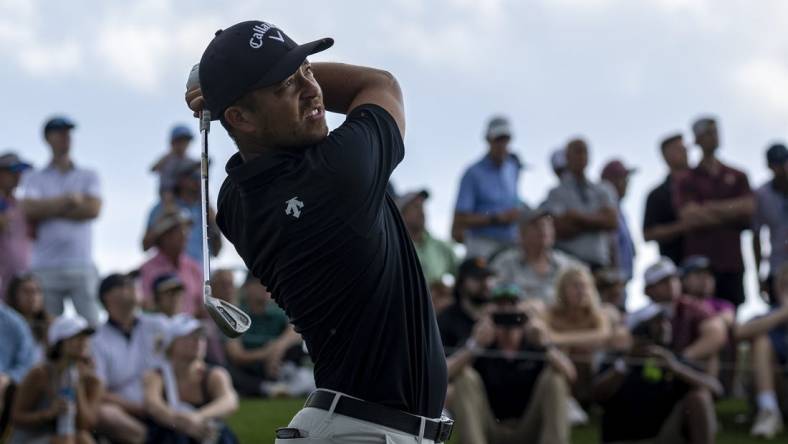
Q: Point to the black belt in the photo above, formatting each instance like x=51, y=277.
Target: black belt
x=435, y=430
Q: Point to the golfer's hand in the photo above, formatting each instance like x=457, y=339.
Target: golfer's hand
x=195, y=101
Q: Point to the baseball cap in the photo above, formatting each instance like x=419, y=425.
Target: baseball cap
x=178, y=326
x=695, y=263
x=498, y=126
x=181, y=131
x=405, y=199
x=558, y=159
x=168, y=220
x=476, y=267
x=777, y=154
x=248, y=56
x=10, y=161
x=58, y=123
x=702, y=125
x=645, y=314
x=615, y=169
x=166, y=282
x=65, y=327
x=664, y=268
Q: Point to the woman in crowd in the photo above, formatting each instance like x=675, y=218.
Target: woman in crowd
x=25, y=296
x=58, y=400
x=185, y=398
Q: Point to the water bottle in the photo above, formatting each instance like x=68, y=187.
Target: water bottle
x=67, y=421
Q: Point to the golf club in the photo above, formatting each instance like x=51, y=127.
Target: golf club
x=231, y=320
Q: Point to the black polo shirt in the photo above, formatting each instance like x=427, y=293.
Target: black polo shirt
x=660, y=211
x=317, y=227
x=509, y=383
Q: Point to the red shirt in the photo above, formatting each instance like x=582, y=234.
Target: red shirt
x=721, y=244
x=687, y=316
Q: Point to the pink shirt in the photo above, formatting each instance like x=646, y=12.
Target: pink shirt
x=188, y=270
x=14, y=243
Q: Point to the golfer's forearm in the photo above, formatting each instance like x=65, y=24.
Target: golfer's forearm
x=342, y=84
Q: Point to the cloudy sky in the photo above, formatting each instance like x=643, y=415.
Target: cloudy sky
x=618, y=72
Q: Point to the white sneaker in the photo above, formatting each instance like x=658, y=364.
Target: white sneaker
x=768, y=423
x=576, y=415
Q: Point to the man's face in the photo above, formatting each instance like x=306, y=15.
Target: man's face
x=173, y=241
x=223, y=285
x=413, y=215
x=699, y=284
x=180, y=145
x=709, y=141
x=9, y=180
x=499, y=148
x=779, y=170
x=478, y=288
x=121, y=300
x=538, y=234
x=257, y=297
x=59, y=141
x=675, y=155
x=287, y=115
x=577, y=157
x=665, y=291
x=169, y=301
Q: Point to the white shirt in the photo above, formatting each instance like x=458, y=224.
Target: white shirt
x=121, y=361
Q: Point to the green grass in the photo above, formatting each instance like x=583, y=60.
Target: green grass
x=257, y=420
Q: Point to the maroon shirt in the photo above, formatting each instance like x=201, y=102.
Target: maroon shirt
x=722, y=244
x=687, y=317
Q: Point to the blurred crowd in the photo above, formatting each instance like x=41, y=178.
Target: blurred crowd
x=533, y=316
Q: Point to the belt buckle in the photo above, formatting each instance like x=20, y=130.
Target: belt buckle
x=445, y=427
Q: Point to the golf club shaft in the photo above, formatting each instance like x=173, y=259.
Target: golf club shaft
x=205, y=126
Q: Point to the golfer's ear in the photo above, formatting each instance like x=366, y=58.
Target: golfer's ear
x=238, y=120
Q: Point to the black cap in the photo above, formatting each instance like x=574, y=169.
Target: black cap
x=475, y=267
x=777, y=154
x=695, y=263
x=248, y=56
x=58, y=123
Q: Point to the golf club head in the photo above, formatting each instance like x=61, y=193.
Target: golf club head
x=232, y=321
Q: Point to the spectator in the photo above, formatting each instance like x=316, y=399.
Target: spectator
x=536, y=265
x=769, y=337
x=124, y=348
x=441, y=292
x=222, y=287
x=617, y=175
x=167, y=294
x=169, y=234
x=186, y=192
x=17, y=356
x=488, y=201
x=585, y=212
x=25, y=296
x=437, y=257
x=186, y=399
x=558, y=162
x=698, y=335
x=661, y=222
x=180, y=138
x=500, y=395
x=610, y=285
x=61, y=201
x=14, y=233
x=771, y=210
x=652, y=395
x=58, y=400
x=265, y=361
x=717, y=203
x=697, y=281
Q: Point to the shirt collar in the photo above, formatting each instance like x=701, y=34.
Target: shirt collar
x=111, y=322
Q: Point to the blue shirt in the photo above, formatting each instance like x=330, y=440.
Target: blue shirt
x=626, y=248
x=487, y=188
x=17, y=346
x=194, y=243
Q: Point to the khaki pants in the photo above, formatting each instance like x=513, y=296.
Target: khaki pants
x=544, y=421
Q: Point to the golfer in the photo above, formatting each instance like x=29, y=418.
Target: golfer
x=308, y=212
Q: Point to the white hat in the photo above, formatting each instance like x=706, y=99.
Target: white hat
x=645, y=314
x=497, y=127
x=180, y=325
x=558, y=159
x=663, y=269
x=65, y=327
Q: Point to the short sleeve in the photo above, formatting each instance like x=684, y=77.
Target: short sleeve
x=359, y=158
x=28, y=187
x=608, y=195
x=466, y=197
x=92, y=186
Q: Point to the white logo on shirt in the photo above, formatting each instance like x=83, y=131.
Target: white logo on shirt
x=294, y=207
x=259, y=31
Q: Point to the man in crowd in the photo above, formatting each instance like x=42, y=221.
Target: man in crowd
x=169, y=234
x=716, y=201
x=535, y=265
x=437, y=257
x=180, y=138
x=496, y=395
x=585, y=212
x=698, y=335
x=123, y=349
x=697, y=280
x=488, y=201
x=617, y=175
x=611, y=287
x=661, y=222
x=186, y=193
x=168, y=293
x=771, y=210
x=16, y=357
x=14, y=234
x=61, y=201
x=650, y=394
x=558, y=162
x=265, y=361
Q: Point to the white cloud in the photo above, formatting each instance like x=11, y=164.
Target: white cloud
x=764, y=81
x=45, y=60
